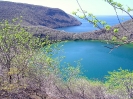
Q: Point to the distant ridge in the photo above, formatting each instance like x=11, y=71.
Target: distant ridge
x=34, y=15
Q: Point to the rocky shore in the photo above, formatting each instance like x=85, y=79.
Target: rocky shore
x=94, y=35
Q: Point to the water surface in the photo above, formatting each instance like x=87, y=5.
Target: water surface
x=95, y=58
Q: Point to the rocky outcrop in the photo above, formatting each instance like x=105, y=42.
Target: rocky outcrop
x=33, y=15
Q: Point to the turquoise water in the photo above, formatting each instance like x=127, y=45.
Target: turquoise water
x=95, y=58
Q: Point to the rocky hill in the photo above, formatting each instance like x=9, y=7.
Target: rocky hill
x=34, y=15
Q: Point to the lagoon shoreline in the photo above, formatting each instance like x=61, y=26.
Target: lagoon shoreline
x=57, y=35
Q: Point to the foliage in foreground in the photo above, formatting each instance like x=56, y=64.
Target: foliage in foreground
x=27, y=71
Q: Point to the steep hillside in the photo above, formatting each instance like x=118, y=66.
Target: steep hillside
x=34, y=15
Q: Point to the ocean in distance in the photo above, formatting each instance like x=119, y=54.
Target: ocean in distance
x=95, y=59
x=86, y=26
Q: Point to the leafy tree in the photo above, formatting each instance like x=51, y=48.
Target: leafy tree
x=120, y=82
x=19, y=52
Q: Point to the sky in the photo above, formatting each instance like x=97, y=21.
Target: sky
x=97, y=7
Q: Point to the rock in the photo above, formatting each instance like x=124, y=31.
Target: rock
x=131, y=36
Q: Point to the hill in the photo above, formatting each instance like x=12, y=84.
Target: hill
x=35, y=15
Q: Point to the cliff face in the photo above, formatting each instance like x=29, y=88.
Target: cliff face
x=34, y=15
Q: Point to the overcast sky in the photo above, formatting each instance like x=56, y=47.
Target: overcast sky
x=97, y=7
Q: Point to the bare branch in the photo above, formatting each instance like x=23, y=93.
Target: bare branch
x=87, y=18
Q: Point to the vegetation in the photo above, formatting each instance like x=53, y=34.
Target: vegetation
x=27, y=71
x=121, y=82
x=22, y=62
